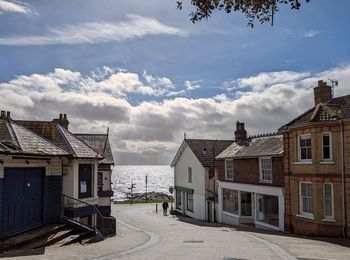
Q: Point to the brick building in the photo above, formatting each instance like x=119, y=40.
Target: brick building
x=251, y=180
x=317, y=167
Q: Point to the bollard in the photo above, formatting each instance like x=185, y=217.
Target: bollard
x=156, y=208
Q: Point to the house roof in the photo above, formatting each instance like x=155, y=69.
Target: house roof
x=271, y=145
x=205, y=150
x=335, y=109
x=20, y=140
x=100, y=143
x=76, y=146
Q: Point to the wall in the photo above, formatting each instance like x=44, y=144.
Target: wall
x=188, y=159
x=318, y=174
x=248, y=171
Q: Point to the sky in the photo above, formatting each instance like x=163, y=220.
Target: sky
x=145, y=71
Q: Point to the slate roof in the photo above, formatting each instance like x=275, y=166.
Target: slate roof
x=205, y=150
x=255, y=147
x=76, y=146
x=336, y=109
x=17, y=139
x=100, y=143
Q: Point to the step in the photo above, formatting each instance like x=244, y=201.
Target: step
x=56, y=238
x=28, y=237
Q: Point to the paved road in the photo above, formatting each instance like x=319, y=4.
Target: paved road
x=143, y=234
x=176, y=238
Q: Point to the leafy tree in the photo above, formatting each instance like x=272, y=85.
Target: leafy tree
x=261, y=10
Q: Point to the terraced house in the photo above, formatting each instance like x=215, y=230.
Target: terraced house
x=317, y=167
x=53, y=165
x=251, y=181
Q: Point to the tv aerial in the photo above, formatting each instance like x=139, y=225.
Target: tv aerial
x=333, y=84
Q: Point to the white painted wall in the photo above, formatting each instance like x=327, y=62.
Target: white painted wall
x=188, y=159
x=52, y=167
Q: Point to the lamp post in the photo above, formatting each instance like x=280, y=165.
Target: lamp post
x=171, y=190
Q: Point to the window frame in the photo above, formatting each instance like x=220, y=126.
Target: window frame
x=299, y=148
x=324, y=201
x=187, y=209
x=89, y=182
x=301, y=212
x=236, y=194
x=226, y=177
x=189, y=175
x=261, y=175
x=330, y=146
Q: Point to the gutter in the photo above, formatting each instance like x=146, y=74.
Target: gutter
x=343, y=179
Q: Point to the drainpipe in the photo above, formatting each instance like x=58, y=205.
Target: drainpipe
x=289, y=180
x=343, y=178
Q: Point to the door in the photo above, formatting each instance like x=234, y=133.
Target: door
x=85, y=181
x=23, y=198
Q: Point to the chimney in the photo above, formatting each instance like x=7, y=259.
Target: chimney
x=62, y=120
x=5, y=114
x=240, y=133
x=322, y=93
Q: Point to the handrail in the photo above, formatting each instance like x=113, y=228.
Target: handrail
x=106, y=225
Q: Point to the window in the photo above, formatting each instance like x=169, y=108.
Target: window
x=326, y=146
x=230, y=201
x=305, y=148
x=189, y=174
x=229, y=169
x=100, y=180
x=85, y=181
x=189, y=201
x=178, y=199
x=328, y=201
x=246, y=203
x=265, y=169
x=306, y=206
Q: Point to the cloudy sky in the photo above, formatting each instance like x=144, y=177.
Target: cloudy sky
x=144, y=70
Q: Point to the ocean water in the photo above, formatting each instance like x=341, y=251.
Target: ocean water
x=160, y=177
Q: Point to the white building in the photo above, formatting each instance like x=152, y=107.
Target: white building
x=195, y=177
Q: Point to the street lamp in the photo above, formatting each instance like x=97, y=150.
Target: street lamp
x=171, y=190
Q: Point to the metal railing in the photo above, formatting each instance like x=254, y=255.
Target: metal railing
x=105, y=225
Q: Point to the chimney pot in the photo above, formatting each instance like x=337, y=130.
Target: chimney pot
x=65, y=116
x=2, y=114
x=60, y=117
x=8, y=114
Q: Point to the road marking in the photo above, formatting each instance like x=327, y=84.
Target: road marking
x=152, y=239
x=275, y=248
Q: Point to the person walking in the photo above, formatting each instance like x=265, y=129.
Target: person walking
x=165, y=208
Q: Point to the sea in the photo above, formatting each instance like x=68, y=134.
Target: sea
x=159, y=179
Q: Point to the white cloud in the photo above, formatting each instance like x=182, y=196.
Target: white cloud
x=151, y=131
x=192, y=85
x=98, y=32
x=310, y=34
x=14, y=7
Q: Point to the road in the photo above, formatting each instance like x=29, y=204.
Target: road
x=184, y=238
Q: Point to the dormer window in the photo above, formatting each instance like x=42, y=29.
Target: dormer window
x=304, y=145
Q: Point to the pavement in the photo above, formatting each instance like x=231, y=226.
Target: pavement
x=145, y=234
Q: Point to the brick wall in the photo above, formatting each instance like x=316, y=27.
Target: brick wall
x=247, y=171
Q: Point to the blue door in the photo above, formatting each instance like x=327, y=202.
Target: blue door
x=23, y=198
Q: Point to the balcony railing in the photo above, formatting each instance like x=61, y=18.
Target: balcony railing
x=105, y=225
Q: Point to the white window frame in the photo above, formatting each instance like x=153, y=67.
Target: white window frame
x=302, y=213
x=324, y=201
x=261, y=170
x=299, y=148
x=330, y=146
x=226, y=177
x=189, y=174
